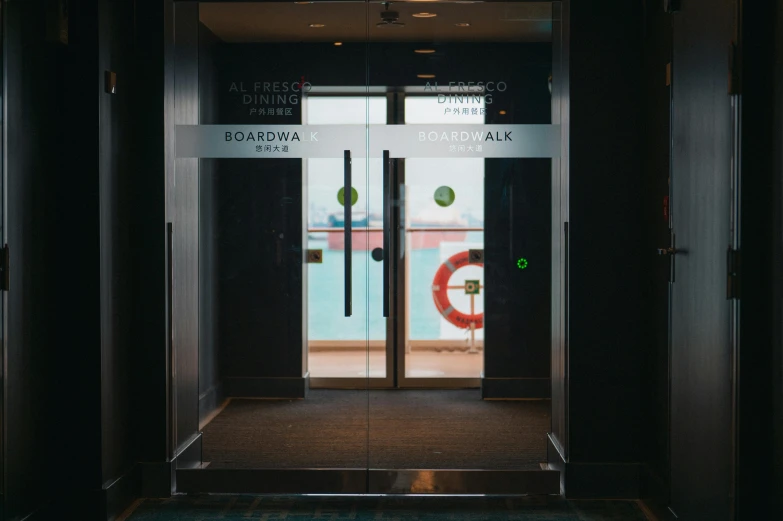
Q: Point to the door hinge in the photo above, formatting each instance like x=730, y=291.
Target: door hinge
x=669, y=74
x=5, y=280
x=733, y=274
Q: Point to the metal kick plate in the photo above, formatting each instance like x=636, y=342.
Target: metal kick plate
x=372, y=481
x=501, y=482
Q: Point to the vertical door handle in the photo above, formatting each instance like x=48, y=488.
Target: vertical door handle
x=386, y=230
x=347, y=230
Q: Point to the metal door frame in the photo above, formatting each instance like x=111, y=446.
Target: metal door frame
x=397, y=324
x=367, y=382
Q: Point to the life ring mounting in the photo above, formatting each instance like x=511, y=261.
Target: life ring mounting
x=440, y=286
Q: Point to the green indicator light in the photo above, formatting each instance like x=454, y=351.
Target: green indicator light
x=522, y=263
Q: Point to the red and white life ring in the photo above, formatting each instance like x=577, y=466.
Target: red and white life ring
x=440, y=293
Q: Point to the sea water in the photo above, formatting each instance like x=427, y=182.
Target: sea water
x=326, y=311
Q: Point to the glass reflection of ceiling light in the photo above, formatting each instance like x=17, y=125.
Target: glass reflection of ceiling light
x=462, y=24
x=338, y=43
x=502, y=112
x=317, y=25
x=424, y=51
x=424, y=15
x=425, y=76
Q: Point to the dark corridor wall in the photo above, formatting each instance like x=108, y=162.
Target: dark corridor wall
x=655, y=227
x=758, y=485
x=760, y=471
x=29, y=389
x=68, y=432
x=776, y=480
x=606, y=336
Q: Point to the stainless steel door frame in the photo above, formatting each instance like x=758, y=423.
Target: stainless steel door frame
x=354, y=481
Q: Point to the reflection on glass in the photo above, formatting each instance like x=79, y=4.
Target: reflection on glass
x=338, y=345
x=436, y=347
x=445, y=108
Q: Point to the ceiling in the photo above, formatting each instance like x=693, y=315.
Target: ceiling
x=348, y=21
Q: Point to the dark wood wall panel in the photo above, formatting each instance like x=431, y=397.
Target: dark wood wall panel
x=152, y=103
x=604, y=245
x=517, y=303
x=33, y=67
x=777, y=260
x=517, y=223
x=701, y=185
x=68, y=229
x=759, y=492
x=260, y=244
x=117, y=212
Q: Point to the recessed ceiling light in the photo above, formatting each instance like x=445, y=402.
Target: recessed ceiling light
x=424, y=51
x=462, y=24
x=317, y=25
x=424, y=15
x=338, y=43
x=502, y=112
x=425, y=75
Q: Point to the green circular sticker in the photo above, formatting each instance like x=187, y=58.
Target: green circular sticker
x=444, y=196
x=341, y=196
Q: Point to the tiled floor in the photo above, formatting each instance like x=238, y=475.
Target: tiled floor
x=419, y=364
x=235, y=508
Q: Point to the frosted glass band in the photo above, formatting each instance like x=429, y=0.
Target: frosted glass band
x=402, y=141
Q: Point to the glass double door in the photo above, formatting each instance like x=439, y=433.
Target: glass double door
x=408, y=217
x=376, y=191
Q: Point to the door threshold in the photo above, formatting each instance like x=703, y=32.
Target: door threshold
x=352, y=481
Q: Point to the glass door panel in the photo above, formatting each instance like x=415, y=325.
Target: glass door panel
x=471, y=142
x=344, y=347
x=445, y=220
x=272, y=282
x=362, y=201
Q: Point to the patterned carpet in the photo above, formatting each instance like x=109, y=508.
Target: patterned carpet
x=235, y=508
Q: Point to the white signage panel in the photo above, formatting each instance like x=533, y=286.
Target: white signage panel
x=402, y=141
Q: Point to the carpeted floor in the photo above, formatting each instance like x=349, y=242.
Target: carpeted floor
x=407, y=430
x=235, y=508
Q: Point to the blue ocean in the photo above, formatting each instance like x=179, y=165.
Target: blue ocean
x=326, y=318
